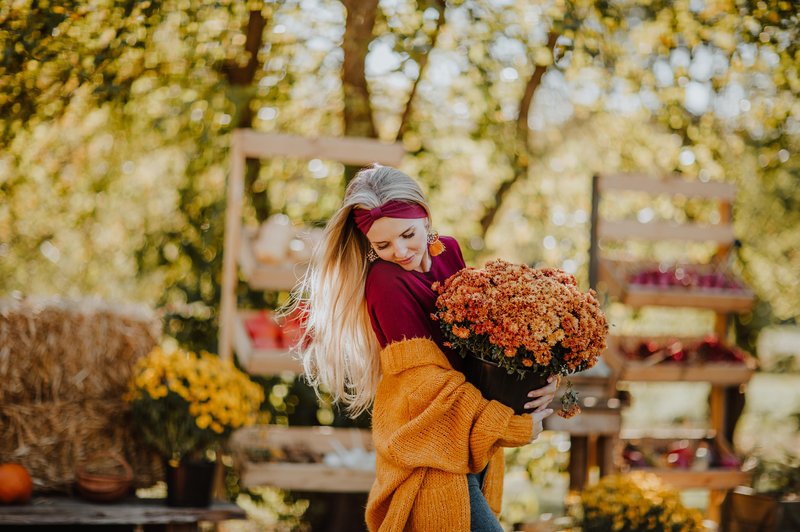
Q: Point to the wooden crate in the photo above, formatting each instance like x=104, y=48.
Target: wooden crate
x=251, y=442
x=614, y=275
x=715, y=373
x=257, y=361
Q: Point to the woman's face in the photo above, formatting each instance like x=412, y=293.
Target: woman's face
x=402, y=241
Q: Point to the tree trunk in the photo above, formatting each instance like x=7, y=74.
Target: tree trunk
x=358, y=121
x=242, y=76
x=359, y=25
x=422, y=61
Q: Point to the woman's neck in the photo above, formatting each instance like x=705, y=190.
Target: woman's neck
x=426, y=262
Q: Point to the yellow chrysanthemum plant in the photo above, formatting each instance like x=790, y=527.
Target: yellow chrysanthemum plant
x=185, y=405
x=635, y=502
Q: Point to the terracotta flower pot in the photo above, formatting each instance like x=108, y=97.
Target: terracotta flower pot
x=97, y=481
x=495, y=382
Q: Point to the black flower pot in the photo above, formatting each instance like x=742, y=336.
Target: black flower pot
x=189, y=484
x=494, y=382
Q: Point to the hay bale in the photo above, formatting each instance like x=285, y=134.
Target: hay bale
x=52, y=438
x=64, y=367
x=54, y=350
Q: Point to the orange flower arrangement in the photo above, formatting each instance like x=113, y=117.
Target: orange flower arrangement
x=524, y=319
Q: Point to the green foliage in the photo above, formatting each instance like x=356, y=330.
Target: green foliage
x=167, y=428
x=778, y=478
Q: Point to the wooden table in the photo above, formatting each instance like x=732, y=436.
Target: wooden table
x=46, y=513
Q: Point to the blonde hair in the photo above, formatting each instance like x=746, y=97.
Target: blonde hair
x=340, y=352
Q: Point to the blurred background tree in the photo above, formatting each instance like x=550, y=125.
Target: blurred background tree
x=116, y=118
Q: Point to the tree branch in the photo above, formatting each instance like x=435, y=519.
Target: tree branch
x=245, y=74
x=439, y=5
x=521, y=155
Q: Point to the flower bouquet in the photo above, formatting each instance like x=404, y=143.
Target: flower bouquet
x=186, y=404
x=530, y=323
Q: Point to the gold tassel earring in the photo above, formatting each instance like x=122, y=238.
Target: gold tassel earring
x=435, y=246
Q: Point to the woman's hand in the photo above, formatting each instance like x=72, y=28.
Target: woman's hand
x=538, y=417
x=544, y=395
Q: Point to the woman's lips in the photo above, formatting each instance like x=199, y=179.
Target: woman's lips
x=406, y=261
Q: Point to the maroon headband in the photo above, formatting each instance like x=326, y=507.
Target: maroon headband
x=364, y=218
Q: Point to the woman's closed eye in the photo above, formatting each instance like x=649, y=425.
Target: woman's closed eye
x=407, y=236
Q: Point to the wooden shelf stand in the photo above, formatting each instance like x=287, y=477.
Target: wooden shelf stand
x=614, y=276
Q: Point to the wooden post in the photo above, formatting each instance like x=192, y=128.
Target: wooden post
x=594, y=245
x=233, y=229
x=578, y=461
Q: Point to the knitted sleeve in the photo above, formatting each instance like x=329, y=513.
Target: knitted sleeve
x=447, y=424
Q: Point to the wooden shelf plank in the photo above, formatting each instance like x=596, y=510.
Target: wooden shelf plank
x=715, y=373
x=62, y=510
x=721, y=479
x=654, y=231
x=591, y=421
x=667, y=434
x=672, y=185
x=307, y=477
x=260, y=361
x=348, y=150
x=613, y=276
x=718, y=300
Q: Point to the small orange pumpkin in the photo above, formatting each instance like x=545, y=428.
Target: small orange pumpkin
x=16, y=486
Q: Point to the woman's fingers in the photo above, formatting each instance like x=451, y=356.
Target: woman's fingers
x=543, y=396
x=539, y=404
x=548, y=389
x=538, y=427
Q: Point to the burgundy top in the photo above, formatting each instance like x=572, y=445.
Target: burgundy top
x=401, y=302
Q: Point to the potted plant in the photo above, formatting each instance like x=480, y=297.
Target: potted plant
x=634, y=502
x=516, y=326
x=185, y=405
x=772, y=504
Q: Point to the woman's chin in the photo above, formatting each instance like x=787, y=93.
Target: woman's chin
x=407, y=265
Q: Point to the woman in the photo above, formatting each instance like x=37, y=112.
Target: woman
x=370, y=341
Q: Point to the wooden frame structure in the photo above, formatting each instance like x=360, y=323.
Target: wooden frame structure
x=613, y=277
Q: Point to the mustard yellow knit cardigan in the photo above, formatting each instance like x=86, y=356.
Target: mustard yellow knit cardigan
x=430, y=429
